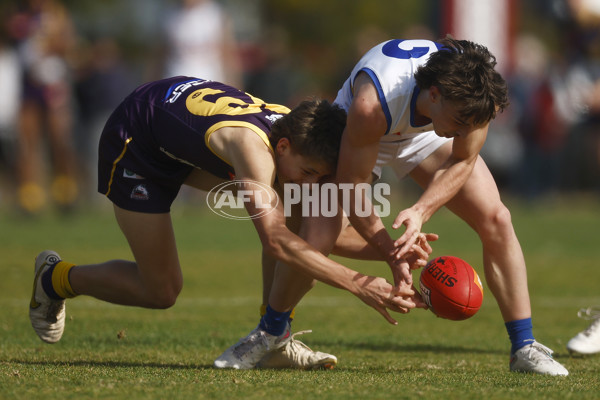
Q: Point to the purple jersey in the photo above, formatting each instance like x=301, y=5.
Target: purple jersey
x=160, y=132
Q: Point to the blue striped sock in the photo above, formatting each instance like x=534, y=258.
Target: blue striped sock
x=520, y=333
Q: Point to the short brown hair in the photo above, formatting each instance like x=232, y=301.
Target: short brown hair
x=314, y=129
x=464, y=73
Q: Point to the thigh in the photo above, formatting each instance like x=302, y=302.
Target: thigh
x=152, y=242
x=202, y=180
x=477, y=198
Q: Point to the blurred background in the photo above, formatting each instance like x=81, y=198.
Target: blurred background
x=66, y=64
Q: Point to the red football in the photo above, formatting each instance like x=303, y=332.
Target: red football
x=451, y=288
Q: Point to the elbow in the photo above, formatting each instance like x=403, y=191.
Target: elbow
x=274, y=248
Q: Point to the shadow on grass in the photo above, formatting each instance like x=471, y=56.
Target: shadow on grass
x=112, y=364
x=389, y=346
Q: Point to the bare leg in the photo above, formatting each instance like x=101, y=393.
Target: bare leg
x=290, y=285
x=478, y=203
x=153, y=281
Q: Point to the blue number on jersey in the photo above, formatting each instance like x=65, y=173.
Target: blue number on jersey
x=391, y=49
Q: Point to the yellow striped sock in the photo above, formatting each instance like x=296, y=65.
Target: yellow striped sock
x=263, y=311
x=60, y=280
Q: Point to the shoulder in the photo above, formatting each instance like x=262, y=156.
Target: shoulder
x=401, y=52
x=392, y=65
x=366, y=112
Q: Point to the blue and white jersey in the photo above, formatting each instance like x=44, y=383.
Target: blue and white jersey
x=391, y=66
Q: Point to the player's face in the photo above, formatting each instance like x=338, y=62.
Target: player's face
x=447, y=122
x=295, y=168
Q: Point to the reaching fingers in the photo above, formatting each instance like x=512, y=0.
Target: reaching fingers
x=431, y=237
x=419, y=302
x=402, y=304
x=407, y=245
x=387, y=316
x=404, y=289
x=419, y=251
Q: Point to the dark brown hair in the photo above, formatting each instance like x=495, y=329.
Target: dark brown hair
x=464, y=73
x=314, y=129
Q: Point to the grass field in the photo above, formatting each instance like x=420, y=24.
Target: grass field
x=115, y=352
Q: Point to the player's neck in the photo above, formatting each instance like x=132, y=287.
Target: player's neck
x=421, y=116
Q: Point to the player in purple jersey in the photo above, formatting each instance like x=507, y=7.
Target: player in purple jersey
x=199, y=133
x=424, y=109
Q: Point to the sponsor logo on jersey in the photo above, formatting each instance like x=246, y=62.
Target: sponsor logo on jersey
x=274, y=117
x=174, y=93
x=132, y=175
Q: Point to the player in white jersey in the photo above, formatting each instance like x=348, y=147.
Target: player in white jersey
x=424, y=109
x=391, y=67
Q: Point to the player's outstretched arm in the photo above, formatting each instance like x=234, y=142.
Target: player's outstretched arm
x=366, y=124
x=351, y=244
x=253, y=163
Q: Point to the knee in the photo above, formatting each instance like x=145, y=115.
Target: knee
x=166, y=295
x=497, y=223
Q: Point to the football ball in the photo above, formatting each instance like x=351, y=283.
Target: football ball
x=451, y=288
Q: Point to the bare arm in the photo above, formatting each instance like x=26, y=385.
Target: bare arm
x=352, y=245
x=446, y=182
x=254, y=163
x=365, y=126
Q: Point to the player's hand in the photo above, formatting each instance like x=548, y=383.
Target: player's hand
x=418, y=255
x=418, y=300
x=400, y=272
x=413, y=221
x=381, y=295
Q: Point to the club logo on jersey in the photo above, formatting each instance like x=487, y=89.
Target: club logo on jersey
x=241, y=200
x=140, y=192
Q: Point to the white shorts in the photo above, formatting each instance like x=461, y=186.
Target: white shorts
x=405, y=154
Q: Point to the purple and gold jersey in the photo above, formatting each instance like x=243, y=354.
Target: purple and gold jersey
x=161, y=131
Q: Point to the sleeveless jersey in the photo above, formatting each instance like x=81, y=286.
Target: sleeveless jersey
x=168, y=124
x=391, y=66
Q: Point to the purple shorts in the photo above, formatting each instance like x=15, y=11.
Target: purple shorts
x=134, y=178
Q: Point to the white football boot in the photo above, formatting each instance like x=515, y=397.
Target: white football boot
x=248, y=351
x=296, y=354
x=536, y=358
x=47, y=315
x=588, y=341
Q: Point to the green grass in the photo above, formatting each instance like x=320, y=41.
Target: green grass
x=116, y=352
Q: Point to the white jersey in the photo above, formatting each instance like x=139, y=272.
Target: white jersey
x=391, y=66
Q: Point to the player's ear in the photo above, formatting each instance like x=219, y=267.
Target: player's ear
x=434, y=94
x=282, y=145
